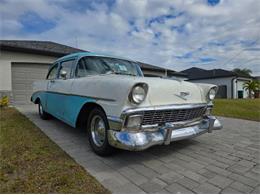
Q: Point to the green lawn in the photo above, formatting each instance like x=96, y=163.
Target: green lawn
x=31, y=163
x=238, y=108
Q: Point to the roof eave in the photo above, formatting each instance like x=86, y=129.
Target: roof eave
x=34, y=51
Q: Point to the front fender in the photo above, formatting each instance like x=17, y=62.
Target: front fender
x=39, y=95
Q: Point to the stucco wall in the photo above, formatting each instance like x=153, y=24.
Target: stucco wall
x=218, y=81
x=5, y=75
x=237, y=85
x=7, y=57
x=25, y=57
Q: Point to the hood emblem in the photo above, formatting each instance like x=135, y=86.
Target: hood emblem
x=183, y=95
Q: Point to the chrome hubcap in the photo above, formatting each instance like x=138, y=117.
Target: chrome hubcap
x=98, y=130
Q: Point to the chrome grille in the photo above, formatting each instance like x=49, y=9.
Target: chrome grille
x=152, y=117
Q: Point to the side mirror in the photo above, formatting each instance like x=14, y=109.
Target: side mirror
x=63, y=74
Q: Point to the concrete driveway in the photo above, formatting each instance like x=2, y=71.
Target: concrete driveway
x=225, y=161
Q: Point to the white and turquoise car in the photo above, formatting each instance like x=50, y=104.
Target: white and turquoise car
x=119, y=107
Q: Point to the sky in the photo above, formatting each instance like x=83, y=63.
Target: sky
x=174, y=34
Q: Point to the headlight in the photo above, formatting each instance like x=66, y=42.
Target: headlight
x=138, y=93
x=212, y=93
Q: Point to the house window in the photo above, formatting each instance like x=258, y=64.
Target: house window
x=240, y=94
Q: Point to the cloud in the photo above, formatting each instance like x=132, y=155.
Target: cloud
x=174, y=34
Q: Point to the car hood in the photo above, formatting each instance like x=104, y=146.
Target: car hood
x=168, y=91
x=160, y=91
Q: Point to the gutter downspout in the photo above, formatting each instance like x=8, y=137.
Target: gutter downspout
x=232, y=87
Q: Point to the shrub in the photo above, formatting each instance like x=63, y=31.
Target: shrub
x=4, y=101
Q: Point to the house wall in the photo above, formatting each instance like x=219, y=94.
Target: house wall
x=238, y=86
x=5, y=75
x=7, y=58
x=218, y=81
x=228, y=81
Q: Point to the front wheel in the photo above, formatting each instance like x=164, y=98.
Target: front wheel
x=97, y=133
x=44, y=115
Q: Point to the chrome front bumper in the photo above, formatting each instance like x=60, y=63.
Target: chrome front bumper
x=141, y=140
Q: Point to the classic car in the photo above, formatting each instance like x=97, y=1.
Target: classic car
x=119, y=107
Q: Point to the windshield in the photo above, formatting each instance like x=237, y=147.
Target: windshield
x=103, y=65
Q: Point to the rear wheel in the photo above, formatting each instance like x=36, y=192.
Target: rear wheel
x=97, y=133
x=44, y=115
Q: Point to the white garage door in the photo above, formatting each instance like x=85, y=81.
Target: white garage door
x=23, y=75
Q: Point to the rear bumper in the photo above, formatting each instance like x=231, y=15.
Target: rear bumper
x=142, y=140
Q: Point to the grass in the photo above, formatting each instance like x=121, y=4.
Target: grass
x=31, y=163
x=238, y=108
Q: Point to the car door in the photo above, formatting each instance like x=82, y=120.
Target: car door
x=51, y=78
x=59, y=90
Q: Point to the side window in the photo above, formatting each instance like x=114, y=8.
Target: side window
x=81, y=68
x=52, y=72
x=67, y=66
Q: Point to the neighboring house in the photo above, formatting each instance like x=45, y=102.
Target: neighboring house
x=230, y=83
x=22, y=62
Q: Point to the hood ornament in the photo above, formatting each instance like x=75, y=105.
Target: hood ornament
x=183, y=95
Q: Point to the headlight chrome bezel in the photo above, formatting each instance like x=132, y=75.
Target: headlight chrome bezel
x=133, y=122
x=141, y=86
x=212, y=93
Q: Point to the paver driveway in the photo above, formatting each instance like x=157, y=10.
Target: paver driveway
x=225, y=161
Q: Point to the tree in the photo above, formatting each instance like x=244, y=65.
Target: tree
x=243, y=72
x=251, y=86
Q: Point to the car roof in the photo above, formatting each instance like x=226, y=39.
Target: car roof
x=83, y=54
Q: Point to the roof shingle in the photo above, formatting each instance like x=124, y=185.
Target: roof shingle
x=39, y=47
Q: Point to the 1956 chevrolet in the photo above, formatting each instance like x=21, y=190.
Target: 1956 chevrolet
x=119, y=107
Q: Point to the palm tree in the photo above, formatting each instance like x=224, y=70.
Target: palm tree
x=251, y=86
x=244, y=71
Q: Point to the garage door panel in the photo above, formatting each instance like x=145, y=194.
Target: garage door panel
x=18, y=86
x=19, y=75
x=23, y=76
x=35, y=77
x=19, y=92
x=20, y=98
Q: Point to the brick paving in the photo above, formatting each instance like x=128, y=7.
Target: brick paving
x=226, y=161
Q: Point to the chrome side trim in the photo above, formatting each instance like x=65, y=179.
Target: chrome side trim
x=70, y=94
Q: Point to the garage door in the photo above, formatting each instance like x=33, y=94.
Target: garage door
x=222, y=91
x=23, y=75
